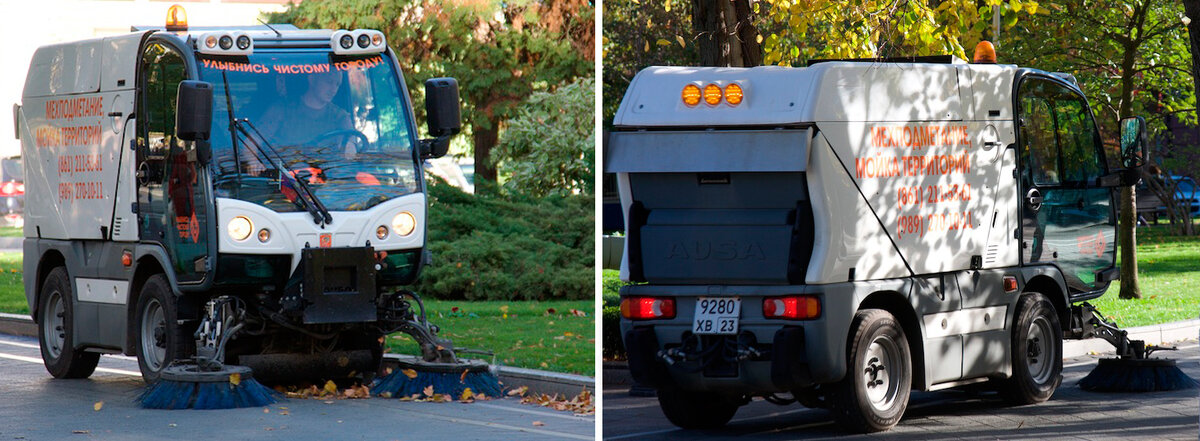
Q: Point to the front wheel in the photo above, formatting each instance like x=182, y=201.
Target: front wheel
x=161, y=339
x=1036, y=352
x=56, y=323
x=696, y=410
x=874, y=394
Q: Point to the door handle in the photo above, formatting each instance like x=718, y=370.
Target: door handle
x=1034, y=198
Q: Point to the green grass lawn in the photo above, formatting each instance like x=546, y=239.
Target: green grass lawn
x=531, y=336
x=1169, y=274
x=12, y=232
x=12, y=291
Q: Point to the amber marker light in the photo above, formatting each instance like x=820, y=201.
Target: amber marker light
x=176, y=19
x=712, y=94
x=691, y=95
x=733, y=94
x=985, y=53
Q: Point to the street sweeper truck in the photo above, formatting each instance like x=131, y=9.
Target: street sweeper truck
x=249, y=195
x=843, y=233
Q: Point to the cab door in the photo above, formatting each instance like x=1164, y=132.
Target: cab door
x=1068, y=219
x=172, y=197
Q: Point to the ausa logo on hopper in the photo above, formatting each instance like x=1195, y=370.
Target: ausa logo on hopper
x=705, y=250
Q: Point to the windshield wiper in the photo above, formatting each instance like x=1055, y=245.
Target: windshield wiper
x=312, y=203
x=309, y=199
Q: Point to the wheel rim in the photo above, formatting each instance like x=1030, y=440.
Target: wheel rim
x=53, y=333
x=880, y=368
x=154, y=327
x=1039, y=351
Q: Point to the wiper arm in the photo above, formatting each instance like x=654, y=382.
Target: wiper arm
x=312, y=203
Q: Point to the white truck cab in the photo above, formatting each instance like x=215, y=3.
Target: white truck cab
x=277, y=167
x=851, y=230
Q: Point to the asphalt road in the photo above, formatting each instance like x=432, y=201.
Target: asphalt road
x=1070, y=414
x=35, y=406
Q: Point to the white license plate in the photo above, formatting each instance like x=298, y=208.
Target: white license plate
x=716, y=315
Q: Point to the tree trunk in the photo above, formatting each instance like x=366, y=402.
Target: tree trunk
x=1191, y=9
x=484, y=140
x=725, y=34
x=1127, y=222
x=707, y=25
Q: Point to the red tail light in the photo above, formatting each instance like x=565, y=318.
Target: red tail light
x=12, y=188
x=792, y=307
x=647, y=308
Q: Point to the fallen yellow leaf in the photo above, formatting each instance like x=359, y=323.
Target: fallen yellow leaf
x=466, y=395
x=539, y=423
x=330, y=387
x=98, y=405
x=235, y=378
x=428, y=390
x=409, y=373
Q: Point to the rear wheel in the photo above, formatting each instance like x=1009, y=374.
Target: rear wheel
x=56, y=322
x=874, y=394
x=1036, y=352
x=696, y=410
x=161, y=339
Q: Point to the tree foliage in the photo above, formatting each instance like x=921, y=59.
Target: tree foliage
x=549, y=147
x=500, y=51
x=642, y=33
x=801, y=30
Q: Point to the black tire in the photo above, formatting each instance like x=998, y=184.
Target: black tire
x=56, y=320
x=160, y=338
x=1036, y=352
x=874, y=394
x=696, y=410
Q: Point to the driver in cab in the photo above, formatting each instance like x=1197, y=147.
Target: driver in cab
x=296, y=126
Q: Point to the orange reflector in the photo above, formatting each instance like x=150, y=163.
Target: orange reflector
x=691, y=95
x=176, y=19
x=985, y=53
x=646, y=308
x=792, y=307
x=1010, y=284
x=733, y=94
x=712, y=94
x=127, y=258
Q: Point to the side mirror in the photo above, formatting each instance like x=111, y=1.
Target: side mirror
x=441, y=107
x=1133, y=142
x=193, y=110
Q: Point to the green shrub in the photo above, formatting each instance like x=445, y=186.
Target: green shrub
x=493, y=246
x=614, y=347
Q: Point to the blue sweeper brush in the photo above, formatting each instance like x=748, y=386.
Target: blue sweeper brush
x=191, y=386
x=412, y=377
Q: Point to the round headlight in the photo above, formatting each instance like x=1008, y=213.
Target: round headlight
x=346, y=41
x=364, y=40
x=210, y=41
x=264, y=235
x=243, y=42
x=376, y=39
x=381, y=232
x=239, y=228
x=404, y=223
x=226, y=42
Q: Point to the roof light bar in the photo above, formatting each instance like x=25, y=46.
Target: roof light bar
x=225, y=43
x=358, y=41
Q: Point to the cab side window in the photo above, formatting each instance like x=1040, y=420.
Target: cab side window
x=162, y=70
x=1077, y=139
x=1058, y=136
x=1037, y=123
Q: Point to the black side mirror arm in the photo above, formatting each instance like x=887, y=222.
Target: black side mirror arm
x=431, y=148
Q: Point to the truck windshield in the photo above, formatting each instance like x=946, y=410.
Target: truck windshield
x=337, y=122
